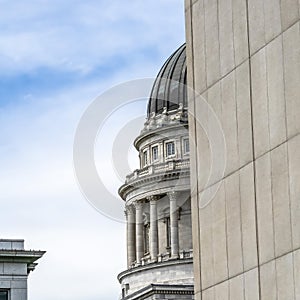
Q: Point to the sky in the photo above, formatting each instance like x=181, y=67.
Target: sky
x=56, y=57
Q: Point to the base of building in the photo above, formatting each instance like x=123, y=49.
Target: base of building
x=161, y=291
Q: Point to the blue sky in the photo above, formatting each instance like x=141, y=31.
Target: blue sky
x=55, y=58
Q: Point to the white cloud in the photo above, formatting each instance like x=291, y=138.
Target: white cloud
x=78, y=36
x=40, y=200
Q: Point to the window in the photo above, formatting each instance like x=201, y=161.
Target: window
x=125, y=290
x=154, y=153
x=3, y=295
x=146, y=238
x=145, y=158
x=168, y=232
x=170, y=149
x=186, y=146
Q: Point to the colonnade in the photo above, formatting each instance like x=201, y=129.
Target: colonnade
x=135, y=229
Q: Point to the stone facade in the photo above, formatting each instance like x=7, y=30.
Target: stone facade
x=169, y=273
x=157, y=292
x=15, y=265
x=243, y=57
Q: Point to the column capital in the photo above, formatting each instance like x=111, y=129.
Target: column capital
x=153, y=198
x=138, y=204
x=129, y=210
x=173, y=196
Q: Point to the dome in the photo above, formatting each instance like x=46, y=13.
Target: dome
x=169, y=88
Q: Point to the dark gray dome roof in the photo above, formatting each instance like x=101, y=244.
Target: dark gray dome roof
x=169, y=88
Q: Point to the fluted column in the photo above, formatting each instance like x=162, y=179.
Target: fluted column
x=174, y=224
x=139, y=232
x=153, y=228
x=131, y=247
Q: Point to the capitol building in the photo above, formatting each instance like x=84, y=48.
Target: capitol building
x=157, y=195
x=241, y=58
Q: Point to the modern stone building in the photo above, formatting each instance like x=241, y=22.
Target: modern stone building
x=15, y=266
x=157, y=196
x=243, y=57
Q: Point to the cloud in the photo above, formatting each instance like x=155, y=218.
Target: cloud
x=41, y=202
x=55, y=58
x=79, y=36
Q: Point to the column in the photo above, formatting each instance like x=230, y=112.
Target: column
x=153, y=228
x=139, y=232
x=174, y=224
x=131, y=251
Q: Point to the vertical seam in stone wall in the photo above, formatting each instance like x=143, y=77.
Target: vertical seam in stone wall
x=233, y=33
x=288, y=165
x=281, y=19
x=253, y=148
x=265, y=50
x=224, y=180
x=205, y=53
x=276, y=276
x=269, y=149
x=244, y=286
x=274, y=242
x=241, y=225
x=239, y=172
x=264, y=11
x=271, y=162
x=229, y=290
x=195, y=146
x=205, y=44
x=236, y=116
x=241, y=215
x=287, y=143
x=294, y=279
x=218, y=37
x=225, y=194
x=226, y=229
